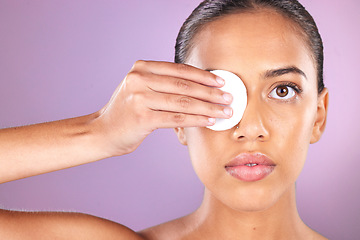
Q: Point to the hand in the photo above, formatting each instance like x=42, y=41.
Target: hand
x=160, y=95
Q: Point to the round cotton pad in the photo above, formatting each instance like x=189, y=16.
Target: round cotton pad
x=236, y=87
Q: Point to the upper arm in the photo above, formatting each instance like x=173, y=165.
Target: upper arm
x=41, y=225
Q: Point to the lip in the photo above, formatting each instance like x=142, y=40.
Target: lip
x=261, y=167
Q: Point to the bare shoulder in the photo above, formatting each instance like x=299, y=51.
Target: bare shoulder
x=309, y=233
x=161, y=232
x=60, y=225
x=176, y=229
x=186, y=228
x=318, y=236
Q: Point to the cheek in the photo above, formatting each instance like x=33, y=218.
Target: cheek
x=291, y=128
x=292, y=121
x=203, y=146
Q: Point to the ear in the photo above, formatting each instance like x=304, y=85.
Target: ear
x=181, y=135
x=321, y=115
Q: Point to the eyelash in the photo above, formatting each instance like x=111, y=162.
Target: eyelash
x=298, y=90
x=294, y=86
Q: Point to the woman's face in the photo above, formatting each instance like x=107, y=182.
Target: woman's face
x=284, y=111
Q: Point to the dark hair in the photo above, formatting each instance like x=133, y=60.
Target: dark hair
x=211, y=10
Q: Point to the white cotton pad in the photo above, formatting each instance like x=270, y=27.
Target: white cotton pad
x=236, y=87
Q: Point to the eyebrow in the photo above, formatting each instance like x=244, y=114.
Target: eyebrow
x=282, y=71
x=278, y=72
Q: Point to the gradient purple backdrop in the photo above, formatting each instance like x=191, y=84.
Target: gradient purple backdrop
x=61, y=59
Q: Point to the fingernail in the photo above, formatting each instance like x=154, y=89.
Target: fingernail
x=220, y=81
x=228, y=111
x=227, y=97
x=212, y=121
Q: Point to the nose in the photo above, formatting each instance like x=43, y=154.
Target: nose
x=252, y=126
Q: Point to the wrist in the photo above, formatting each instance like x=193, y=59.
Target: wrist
x=97, y=138
x=105, y=139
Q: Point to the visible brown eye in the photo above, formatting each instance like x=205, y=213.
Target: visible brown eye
x=282, y=91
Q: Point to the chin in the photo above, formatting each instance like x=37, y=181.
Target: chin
x=252, y=206
x=256, y=200
x=250, y=197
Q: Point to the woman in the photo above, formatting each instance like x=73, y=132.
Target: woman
x=275, y=48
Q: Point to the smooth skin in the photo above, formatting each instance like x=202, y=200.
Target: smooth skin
x=152, y=95
x=253, y=46
x=267, y=53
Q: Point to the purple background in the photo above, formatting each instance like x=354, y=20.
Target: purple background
x=61, y=59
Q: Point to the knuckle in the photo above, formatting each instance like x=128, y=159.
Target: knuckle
x=137, y=78
x=139, y=64
x=179, y=118
x=210, y=108
x=182, y=68
x=215, y=108
x=214, y=92
x=133, y=76
x=184, y=102
x=138, y=98
x=182, y=84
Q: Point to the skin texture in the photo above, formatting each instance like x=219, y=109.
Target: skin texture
x=252, y=45
x=152, y=95
x=157, y=95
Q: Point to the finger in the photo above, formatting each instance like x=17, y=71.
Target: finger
x=186, y=105
x=180, y=86
x=163, y=119
x=181, y=71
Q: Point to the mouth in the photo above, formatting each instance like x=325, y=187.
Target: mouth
x=250, y=167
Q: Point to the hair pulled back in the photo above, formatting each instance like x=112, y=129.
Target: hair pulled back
x=211, y=10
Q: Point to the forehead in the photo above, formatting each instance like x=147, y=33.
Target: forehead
x=252, y=40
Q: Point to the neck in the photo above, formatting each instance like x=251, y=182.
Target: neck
x=280, y=221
